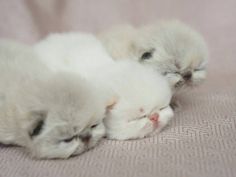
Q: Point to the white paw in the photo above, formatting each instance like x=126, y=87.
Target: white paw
x=165, y=116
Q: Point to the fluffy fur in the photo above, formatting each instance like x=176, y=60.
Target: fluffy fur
x=140, y=96
x=51, y=115
x=142, y=100
x=171, y=47
x=72, y=52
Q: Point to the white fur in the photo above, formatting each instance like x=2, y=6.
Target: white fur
x=71, y=52
x=67, y=104
x=132, y=85
x=135, y=88
x=176, y=49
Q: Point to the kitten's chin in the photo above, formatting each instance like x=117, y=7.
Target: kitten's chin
x=80, y=149
x=87, y=146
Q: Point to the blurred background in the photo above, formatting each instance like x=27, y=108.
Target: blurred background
x=30, y=20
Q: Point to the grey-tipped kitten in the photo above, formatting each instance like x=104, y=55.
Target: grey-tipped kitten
x=51, y=115
x=173, y=48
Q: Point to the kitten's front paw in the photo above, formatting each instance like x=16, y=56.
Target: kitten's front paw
x=165, y=116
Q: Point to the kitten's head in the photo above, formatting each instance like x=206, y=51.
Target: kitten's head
x=142, y=93
x=174, y=49
x=68, y=121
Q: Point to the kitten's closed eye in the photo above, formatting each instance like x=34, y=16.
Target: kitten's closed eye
x=138, y=118
x=68, y=140
x=164, y=107
x=94, y=126
x=147, y=55
x=166, y=73
x=199, y=69
x=141, y=117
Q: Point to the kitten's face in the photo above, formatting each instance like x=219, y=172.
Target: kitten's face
x=175, y=50
x=131, y=120
x=61, y=134
x=71, y=121
x=187, y=71
x=141, y=108
x=135, y=111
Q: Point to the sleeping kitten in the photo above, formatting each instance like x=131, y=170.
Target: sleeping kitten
x=51, y=115
x=171, y=47
x=140, y=97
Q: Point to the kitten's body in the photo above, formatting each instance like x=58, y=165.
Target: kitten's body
x=72, y=52
x=49, y=114
x=138, y=91
x=172, y=48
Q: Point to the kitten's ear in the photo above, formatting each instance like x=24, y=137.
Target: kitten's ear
x=36, y=119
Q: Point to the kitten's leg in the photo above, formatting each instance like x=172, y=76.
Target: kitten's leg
x=166, y=115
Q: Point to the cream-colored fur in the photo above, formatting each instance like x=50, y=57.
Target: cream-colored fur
x=51, y=115
x=171, y=47
x=131, y=86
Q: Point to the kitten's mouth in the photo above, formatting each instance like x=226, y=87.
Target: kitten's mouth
x=163, y=108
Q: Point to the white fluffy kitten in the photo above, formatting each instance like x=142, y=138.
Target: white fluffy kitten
x=52, y=115
x=142, y=100
x=171, y=47
x=141, y=95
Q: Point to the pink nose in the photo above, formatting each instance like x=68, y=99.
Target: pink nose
x=154, y=117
